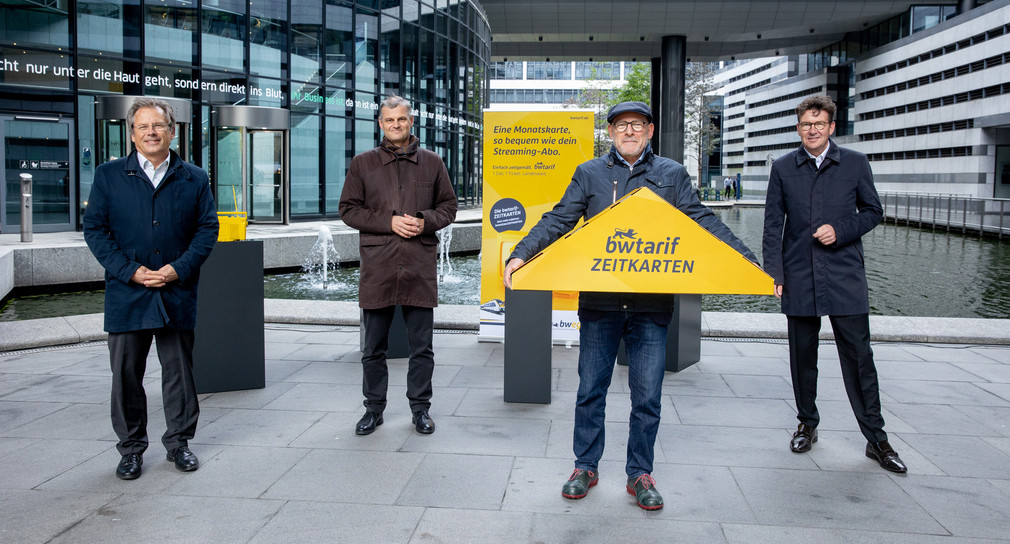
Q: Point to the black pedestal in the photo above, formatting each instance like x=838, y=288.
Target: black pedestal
x=228, y=353
x=683, y=337
x=528, y=346
x=398, y=347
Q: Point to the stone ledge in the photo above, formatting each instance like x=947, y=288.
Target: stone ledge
x=52, y=331
x=35, y=333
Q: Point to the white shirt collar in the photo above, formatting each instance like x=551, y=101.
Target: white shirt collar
x=154, y=173
x=819, y=158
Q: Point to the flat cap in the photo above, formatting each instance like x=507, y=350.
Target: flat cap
x=640, y=108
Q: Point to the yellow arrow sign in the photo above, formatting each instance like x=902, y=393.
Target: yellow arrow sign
x=642, y=244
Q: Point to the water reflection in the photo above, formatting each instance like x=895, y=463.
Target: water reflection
x=910, y=271
x=459, y=284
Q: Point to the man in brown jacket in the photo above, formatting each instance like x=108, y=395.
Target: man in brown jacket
x=397, y=195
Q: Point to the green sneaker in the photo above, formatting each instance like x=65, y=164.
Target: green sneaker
x=578, y=483
x=644, y=490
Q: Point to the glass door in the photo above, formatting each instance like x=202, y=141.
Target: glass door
x=114, y=137
x=1002, y=189
x=250, y=156
x=40, y=148
x=266, y=169
x=113, y=142
x=228, y=175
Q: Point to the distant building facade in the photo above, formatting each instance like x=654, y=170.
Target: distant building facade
x=547, y=85
x=925, y=95
x=275, y=97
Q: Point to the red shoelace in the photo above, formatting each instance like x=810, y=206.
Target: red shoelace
x=648, y=481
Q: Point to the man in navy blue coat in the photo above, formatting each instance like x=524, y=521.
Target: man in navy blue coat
x=640, y=319
x=820, y=202
x=151, y=223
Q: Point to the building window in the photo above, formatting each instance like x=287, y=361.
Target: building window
x=598, y=70
x=506, y=70
x=170, y=31
x=306, y=41
x=224, y=31
x=549, y=70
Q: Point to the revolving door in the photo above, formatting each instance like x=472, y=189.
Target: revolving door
x=114, y=136
x=251, y=153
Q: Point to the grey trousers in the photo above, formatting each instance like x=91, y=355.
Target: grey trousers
x=128, y=355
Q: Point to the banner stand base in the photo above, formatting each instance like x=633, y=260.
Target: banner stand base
x=528, y=346
x=683, y=338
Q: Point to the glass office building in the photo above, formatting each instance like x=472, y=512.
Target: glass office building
x=273, y=97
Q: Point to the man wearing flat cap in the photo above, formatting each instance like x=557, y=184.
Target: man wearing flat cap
x=640, y=319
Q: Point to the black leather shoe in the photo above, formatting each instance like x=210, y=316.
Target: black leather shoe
x=578, y=483
x=129, y=466
x=884, y=454
x=184, y=459
x=368, y=423
x=644, y=490
x=803, y=438
x=423, y=422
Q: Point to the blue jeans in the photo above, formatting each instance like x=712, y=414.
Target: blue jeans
x=645, y=343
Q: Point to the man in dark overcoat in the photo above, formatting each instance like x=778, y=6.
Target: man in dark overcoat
x=397, y=195
x=151, y=223
x=820, y=202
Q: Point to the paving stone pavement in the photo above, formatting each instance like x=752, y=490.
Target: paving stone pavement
x=282, y=464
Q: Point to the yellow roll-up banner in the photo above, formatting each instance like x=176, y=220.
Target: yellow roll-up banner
x=529, y=159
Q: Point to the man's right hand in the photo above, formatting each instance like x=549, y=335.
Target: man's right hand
x=778, y=290
x=149, y=278
x=406, y=226
x=511, y=267
x=141, y=275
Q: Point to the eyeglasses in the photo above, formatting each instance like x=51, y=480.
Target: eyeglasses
x=636, y=126
x=160, y=127
x=819, y=125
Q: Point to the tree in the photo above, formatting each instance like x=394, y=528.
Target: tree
x=701, y=135
x=638, y=83
x=598, y=97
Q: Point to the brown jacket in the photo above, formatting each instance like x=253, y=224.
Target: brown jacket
x=396, y=270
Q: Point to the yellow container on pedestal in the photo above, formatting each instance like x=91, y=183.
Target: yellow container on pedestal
x=232, y=226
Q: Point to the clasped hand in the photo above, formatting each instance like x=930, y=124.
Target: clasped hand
x=407, y=226
x=155, y=278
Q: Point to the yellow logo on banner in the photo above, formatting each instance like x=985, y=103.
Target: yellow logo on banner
x=643, y=244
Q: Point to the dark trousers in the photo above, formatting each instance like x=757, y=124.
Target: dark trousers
x=128, y=355
x=852, y=338
x=419, y=322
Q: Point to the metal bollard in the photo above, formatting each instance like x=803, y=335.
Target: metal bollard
x=26, y=207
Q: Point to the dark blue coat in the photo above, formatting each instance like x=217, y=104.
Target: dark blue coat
x=600, y=182
x=818, y=279
x=129, y=223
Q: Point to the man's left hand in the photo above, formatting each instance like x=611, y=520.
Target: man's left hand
x=825, y=234
x=161, y=277
x=407, y=226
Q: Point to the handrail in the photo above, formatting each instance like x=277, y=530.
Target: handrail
x=987, y=216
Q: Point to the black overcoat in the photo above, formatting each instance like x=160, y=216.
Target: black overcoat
x=129, y=223
x=817, y=279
